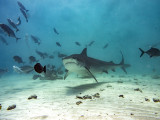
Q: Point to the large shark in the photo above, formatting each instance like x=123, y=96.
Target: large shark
x=87, y=66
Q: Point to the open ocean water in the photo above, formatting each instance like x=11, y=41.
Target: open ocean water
x=123, y=37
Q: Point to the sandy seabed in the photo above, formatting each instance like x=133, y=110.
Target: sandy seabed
x=57, y=99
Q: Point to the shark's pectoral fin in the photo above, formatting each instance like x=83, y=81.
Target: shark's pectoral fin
x=123, y=68
x=105, y=71
x=91, y=74
x=66, y=75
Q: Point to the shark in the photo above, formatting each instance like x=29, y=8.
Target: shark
x=88, y=66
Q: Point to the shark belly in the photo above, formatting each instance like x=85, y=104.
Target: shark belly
x=76, y=69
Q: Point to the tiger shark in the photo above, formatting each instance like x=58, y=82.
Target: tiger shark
x=87, y=66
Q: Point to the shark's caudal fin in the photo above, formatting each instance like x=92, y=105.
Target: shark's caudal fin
x=123, y=66
x=142, y=52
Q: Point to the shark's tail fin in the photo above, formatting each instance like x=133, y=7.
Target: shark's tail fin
x=142, y=52
x=123, y=66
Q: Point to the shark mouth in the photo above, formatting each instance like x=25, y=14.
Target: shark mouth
x=70, y=63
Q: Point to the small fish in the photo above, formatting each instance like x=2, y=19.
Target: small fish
x=55, y=31
x=3, y=40
x=105, y=46
x=153, y=52
x=35, y=39
x=9, y=31
x=23, y=69
x=18, y=59
x=32, y=59
x=19, y=21
x=91, y=43
x=61, y=55
x=27, y=68
x=58, y=44
x=24, y=14
x=17, y=69
x=77, y=43
x=13, y=24
x=42, y=54
x=22, y=6
x=51, y=57
x=39, y=68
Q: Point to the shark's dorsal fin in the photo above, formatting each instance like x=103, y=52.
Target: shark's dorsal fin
x=84, y=52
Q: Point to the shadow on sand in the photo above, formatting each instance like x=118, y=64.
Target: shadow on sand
x=81, y=88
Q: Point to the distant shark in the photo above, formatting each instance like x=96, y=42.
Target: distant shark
x=87, y=66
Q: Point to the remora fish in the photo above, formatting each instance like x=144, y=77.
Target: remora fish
x=153, y=52
x=22, y=6
x=84, y=65
x=9, y=31
x=24, y=14
x=13, y=24
x=35, y=39
x=23, y=69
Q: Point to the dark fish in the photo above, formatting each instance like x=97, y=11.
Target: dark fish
x=24, y=14
x=3, y=40
x=9, y=31
x=22, y=6
x=39, y=68
x=105, y=46
x=41, y=54
x=58, y=44
x=27, y=68
x=32, y=59
x=55, y=31
x=18, y=59
x=13, y=24
x=153, y=52
x=19, y=21
x=51, y=57
x=77, y=43
x=91, y=43
x=61, y=55
x=35, y=39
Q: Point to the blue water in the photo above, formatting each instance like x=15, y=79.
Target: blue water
x=125, y=25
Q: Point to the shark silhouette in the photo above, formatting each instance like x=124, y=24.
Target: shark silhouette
x=87, y=66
